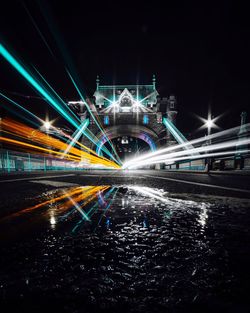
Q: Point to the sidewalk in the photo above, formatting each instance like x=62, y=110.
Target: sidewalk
x=229, y=172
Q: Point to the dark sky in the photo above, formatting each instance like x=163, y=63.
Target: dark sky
x=200, y=51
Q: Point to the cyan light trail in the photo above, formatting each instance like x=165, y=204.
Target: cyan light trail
x=35, y=84
x=93, y=116
x=191, y=152
x=57, y=133
x=44, y=93
x=59, y=98
x=176, y=133
x=44, y=140
x=228, y=132
x=48, y=97
x=70, y=65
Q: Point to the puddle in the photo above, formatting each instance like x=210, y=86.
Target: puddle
x=94, y=207
x=127, y=248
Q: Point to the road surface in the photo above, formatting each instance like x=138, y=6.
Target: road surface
x=132, y=241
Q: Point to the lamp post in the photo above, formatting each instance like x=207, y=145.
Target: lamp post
x=209, y=124
x=46, y=126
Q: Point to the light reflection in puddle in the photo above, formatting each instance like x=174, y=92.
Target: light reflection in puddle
x=124, y=241
x=74, y=207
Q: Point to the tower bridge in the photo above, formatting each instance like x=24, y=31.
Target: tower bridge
x=132, y=116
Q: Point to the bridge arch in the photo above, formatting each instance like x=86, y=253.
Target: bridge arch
x=136, y=131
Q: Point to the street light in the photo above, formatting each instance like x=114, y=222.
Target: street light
x=209, y=124
x=47, y=125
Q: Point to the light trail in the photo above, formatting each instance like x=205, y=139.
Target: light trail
x=8, y=57
x=34, y=135
x=93, y=160
x=94, y=118
x=65, y=112
x=57, y=132
x=24, y=144
x=197, y=157
x=168, y=157
x=176, y=133
x=67, y=59
x=149, y=155
x=55, y=93
x=77, y=136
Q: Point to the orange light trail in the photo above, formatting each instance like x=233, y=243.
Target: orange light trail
x=88, y=193
x=30, y=134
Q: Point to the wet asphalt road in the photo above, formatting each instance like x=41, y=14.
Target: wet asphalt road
x=141, y=241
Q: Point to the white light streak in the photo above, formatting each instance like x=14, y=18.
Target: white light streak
x=76, y=137
x=176, y=156
x=148, y=156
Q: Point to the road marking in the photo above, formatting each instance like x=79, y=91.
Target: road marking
x=199, y=184
x=31, y=178
x=53, y=183
x=90, y=175
x=113, y=176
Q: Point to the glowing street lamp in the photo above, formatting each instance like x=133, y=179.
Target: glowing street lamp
x=47, y=125
x=209, y=124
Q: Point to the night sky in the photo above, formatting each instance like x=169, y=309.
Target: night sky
x=199, y=51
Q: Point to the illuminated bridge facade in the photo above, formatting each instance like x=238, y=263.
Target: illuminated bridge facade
x=131, y=115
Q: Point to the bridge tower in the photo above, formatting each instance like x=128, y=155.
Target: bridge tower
x=128, y=113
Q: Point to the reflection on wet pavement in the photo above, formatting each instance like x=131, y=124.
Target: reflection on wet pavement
x=127, y=248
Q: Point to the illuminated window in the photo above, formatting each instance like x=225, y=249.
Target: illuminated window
x=106, y=120
x=145, y=119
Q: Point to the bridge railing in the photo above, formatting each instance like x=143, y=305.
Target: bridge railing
x=15, y=161
x=224, y=163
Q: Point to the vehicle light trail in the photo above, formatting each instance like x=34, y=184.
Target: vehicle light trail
x=77, y=136
x=58, y=133
x=147, y=156
x=94, y=118
x=58, y=105
x=30, y=134
x=36, y=85
x=194, y=157
x=176, y=133
x=174, y=156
